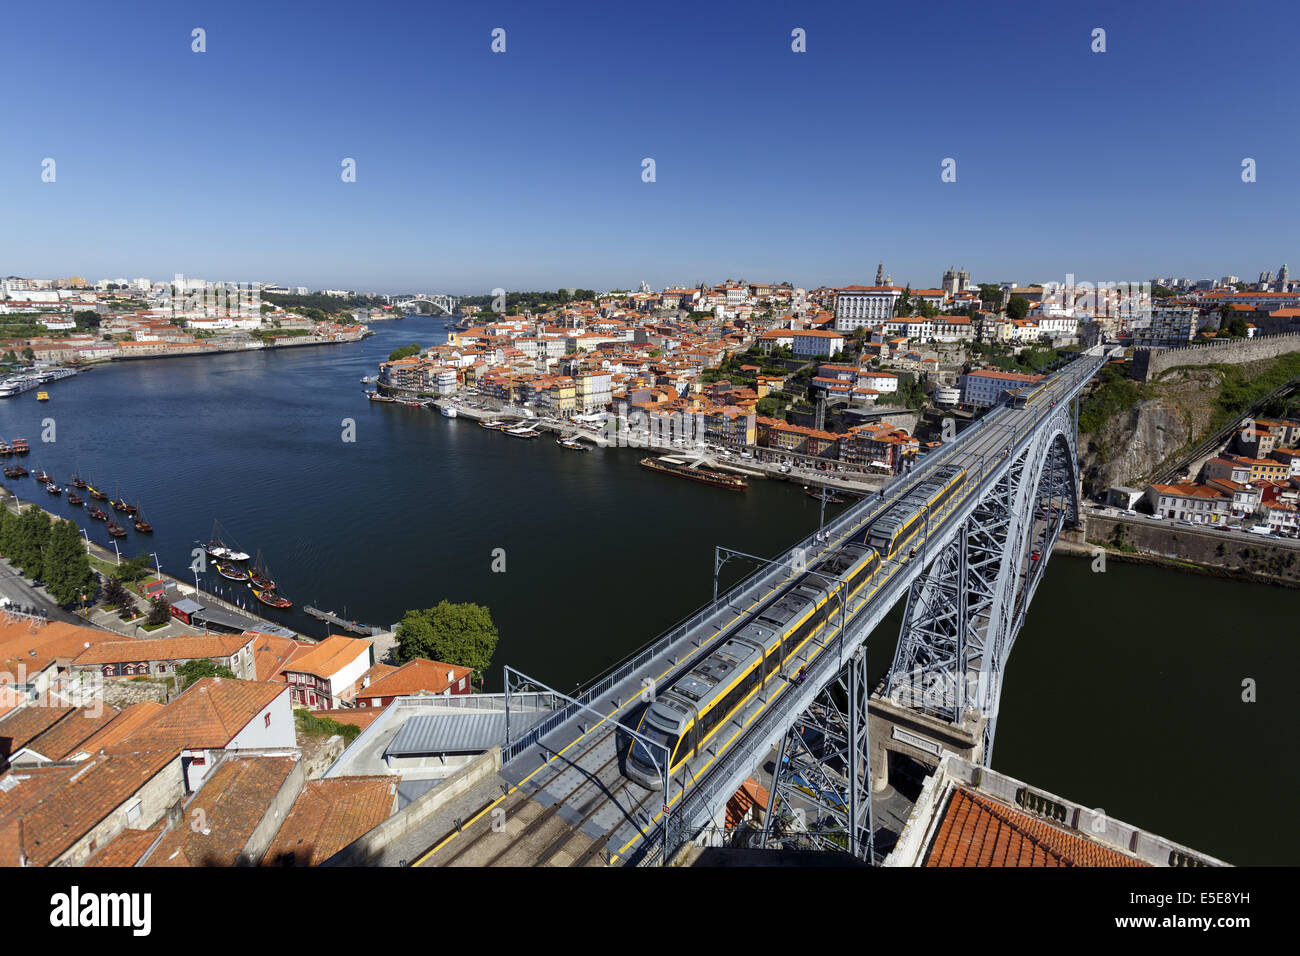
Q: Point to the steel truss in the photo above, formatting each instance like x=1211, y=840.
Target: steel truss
x=821, y=794
x=964, y=611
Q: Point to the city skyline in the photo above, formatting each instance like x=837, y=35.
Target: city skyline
x=524, y=169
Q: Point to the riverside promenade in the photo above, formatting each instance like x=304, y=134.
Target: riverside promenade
x=108, y=620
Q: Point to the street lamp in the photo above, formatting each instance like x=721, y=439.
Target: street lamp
x=156, y=564
x=87, y=537
x=116, y=551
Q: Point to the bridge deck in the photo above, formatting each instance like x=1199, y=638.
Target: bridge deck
x=571, y=802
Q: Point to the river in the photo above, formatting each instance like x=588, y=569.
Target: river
x=1123, y=692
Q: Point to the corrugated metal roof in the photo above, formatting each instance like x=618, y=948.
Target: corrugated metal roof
x=456, y=733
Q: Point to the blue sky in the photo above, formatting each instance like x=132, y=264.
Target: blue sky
x=523, y=169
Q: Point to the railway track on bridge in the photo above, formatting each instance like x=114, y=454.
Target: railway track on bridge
x=577, y=804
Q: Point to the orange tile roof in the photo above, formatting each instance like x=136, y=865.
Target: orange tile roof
x=271, y=653
x=330, y=656
x=980, y=831
x=22, y=726
x=127, y=847
x=183, y=647
x=327, y=816
x=419, y=676
x=69, y=734
x=124, y=724
x=233, y=800
x=53, y=807
x=206, y=717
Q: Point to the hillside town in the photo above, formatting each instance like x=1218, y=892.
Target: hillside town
x=856, y=378
x=74, y=323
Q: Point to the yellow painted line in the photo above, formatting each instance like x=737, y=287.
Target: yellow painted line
x=947, y=510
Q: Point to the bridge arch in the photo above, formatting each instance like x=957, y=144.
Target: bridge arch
x=965, y=610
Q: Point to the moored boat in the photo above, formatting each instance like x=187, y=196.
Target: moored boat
x=231, y=572
x=40, y=475
x=98, y=514
x=15, y=471
x=120, y=504
x=493, y=424
x=272, y=599
x=718, y=479
x=95, y=492
x=217, y=548
x=522, y=431
x=75, y=499
x=572, y=444
x=115, y=529
x=141, y=525
x=447, y=411
x=5, y=449
x=20, y=446
x=259, y=577
x=52, y=488
x=76, y=480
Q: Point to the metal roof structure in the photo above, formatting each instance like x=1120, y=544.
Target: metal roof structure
x=436, y=734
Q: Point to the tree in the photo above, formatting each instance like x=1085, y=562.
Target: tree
x=28, y=551
x=903, y=307
x=159, y=613
x=1018, y=307
x=1237, y=328
x=460, y=634
x=133, y=569
x=195, y=671
x=28, y=354
x=68, y=575
x=87, y=317
x=404, y=351
x=116, y=595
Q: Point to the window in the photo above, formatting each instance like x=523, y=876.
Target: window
x=268, y=718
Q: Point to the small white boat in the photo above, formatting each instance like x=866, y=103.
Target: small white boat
x=447, y=411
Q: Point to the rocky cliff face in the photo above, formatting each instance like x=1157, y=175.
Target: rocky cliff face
x=1130, y=446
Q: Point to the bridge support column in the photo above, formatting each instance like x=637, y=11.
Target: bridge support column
x=821, y=795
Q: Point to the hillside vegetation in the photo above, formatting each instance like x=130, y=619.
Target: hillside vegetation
x=1128, y=429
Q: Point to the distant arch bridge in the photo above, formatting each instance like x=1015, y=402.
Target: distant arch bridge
x=442, y=303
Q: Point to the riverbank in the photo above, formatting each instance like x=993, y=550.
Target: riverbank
x=1186, y=549
x=107, y=620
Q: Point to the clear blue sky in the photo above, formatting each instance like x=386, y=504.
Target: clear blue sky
x=523, y=169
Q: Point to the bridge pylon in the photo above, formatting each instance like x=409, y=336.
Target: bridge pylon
x=965, y=610
x=821, y=796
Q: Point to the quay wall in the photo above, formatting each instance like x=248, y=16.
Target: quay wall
x=1149, y=363
x=1266, y=560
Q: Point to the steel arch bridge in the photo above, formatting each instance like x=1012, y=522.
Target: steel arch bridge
x=965, y=610
x=966, y=586
x=443, y=303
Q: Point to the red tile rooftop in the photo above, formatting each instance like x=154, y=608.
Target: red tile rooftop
x=980, y=831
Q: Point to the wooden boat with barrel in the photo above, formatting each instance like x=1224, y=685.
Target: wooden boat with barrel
x=95, y=492
x=115, y=529
x=667, y=465
x=20, y=446
x=272, y=599
x=40, y=475
x=141, y=525
x=15, y=471
x=77, y=481
x=97, y=513
x=259, y=577
x=75, y=499
x=120, y=504
x=231, y=572
x=52, y=488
